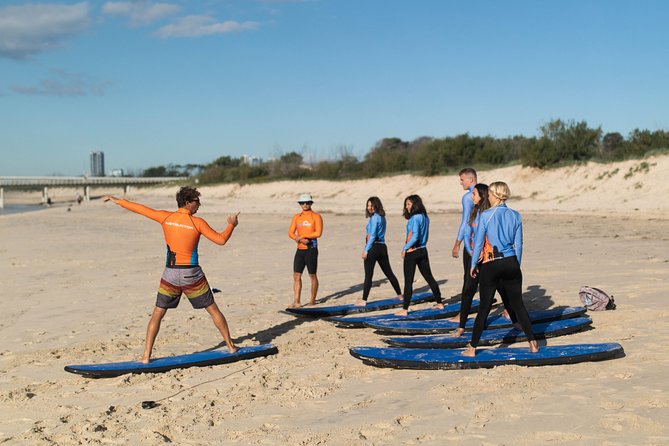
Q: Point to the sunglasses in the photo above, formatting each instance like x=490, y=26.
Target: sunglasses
x=304, y=202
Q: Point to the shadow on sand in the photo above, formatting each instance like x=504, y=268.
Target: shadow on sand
x=269, y=334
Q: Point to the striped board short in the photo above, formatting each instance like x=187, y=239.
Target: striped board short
x=189, y=281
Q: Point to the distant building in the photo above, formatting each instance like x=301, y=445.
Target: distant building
x=252, y=161
x=116, y=173
x=97, y=164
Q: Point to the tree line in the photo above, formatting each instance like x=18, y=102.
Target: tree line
x=559, y=143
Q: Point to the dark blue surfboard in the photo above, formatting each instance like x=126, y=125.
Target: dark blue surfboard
x=494, y=321
x=200, y=359
x=425, y=314
x=340, y=310
x=490, y=337
x=413, y=358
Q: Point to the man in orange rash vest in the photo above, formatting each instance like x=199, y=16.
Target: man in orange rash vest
x=182, y=272
x=305, y=229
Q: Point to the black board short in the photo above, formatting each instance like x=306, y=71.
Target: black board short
x=306, y=257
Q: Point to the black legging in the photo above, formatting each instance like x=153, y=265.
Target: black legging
x=378, y=253
x=411, y=260
x=469, y=286
x=503, y=274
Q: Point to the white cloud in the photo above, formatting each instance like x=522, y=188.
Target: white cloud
x=200, y=25
x=34, y=28
x=142, y=12
x=64, y=84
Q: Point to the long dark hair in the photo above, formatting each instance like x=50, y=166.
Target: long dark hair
x=417, y=207
x=376, y=205
x=484, y=204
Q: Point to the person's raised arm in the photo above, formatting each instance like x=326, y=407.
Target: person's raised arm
x=220, y=238
x=140, y=209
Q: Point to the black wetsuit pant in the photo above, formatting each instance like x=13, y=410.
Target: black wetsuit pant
x=378, y=253
x=503, y=274
x=469, y=286
x=418, y=258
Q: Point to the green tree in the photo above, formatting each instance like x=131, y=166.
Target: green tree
x=562, y=141
x=388, y=155
x=289, y=165
x=613, y=146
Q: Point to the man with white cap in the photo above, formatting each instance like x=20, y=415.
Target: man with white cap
x=305, y=229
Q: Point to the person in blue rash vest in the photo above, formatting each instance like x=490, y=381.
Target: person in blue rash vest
x=468, y=179
x=375, y=249
x=499, y=240
x=415, y=251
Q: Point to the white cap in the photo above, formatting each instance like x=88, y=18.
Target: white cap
x=305, y=198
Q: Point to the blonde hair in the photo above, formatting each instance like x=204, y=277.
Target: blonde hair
x=500, y=190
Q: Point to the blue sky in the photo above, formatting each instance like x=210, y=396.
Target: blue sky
x=153, y=83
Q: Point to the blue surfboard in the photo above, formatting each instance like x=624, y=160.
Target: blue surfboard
x=509, y=335
x=494, y=321
x=200, y=359
x=425, y=314
x=414, y=358
x=339, y=310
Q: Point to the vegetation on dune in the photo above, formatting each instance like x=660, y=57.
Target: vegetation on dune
x=559, y=143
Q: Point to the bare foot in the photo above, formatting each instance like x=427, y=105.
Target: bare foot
x=457, y=333
x=312, y=303
x=294, y=305
x=400, y=297
x=232, y=349
x=145, y=359
x=471, y=351
x=454, y=319
x=534, y=348
x=438, y=306
x=402, y=313
x=360, y=303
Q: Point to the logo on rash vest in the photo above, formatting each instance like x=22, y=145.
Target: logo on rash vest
x=179, y=225
x=305, y=223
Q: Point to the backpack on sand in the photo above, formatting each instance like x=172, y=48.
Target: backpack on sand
x=595, y=299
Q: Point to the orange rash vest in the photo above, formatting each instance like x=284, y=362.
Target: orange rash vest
x=306, y=224
x=182, y=232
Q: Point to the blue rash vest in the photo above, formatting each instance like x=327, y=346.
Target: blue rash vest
x=465, y=229
x=418, y=229
x=502, y=229
x=376, y=231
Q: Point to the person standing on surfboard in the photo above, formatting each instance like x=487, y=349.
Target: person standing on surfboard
x=499, y=240
x=376, y=250
x=415, y=251
x=467, y=181
x=479, y=199
x=305, y=228
x=182, y=272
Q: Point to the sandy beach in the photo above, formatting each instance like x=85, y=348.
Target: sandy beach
x=78, y=287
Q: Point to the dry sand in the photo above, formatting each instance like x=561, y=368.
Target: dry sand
x=79, y=286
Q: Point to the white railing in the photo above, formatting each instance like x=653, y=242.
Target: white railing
x=83, y=181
